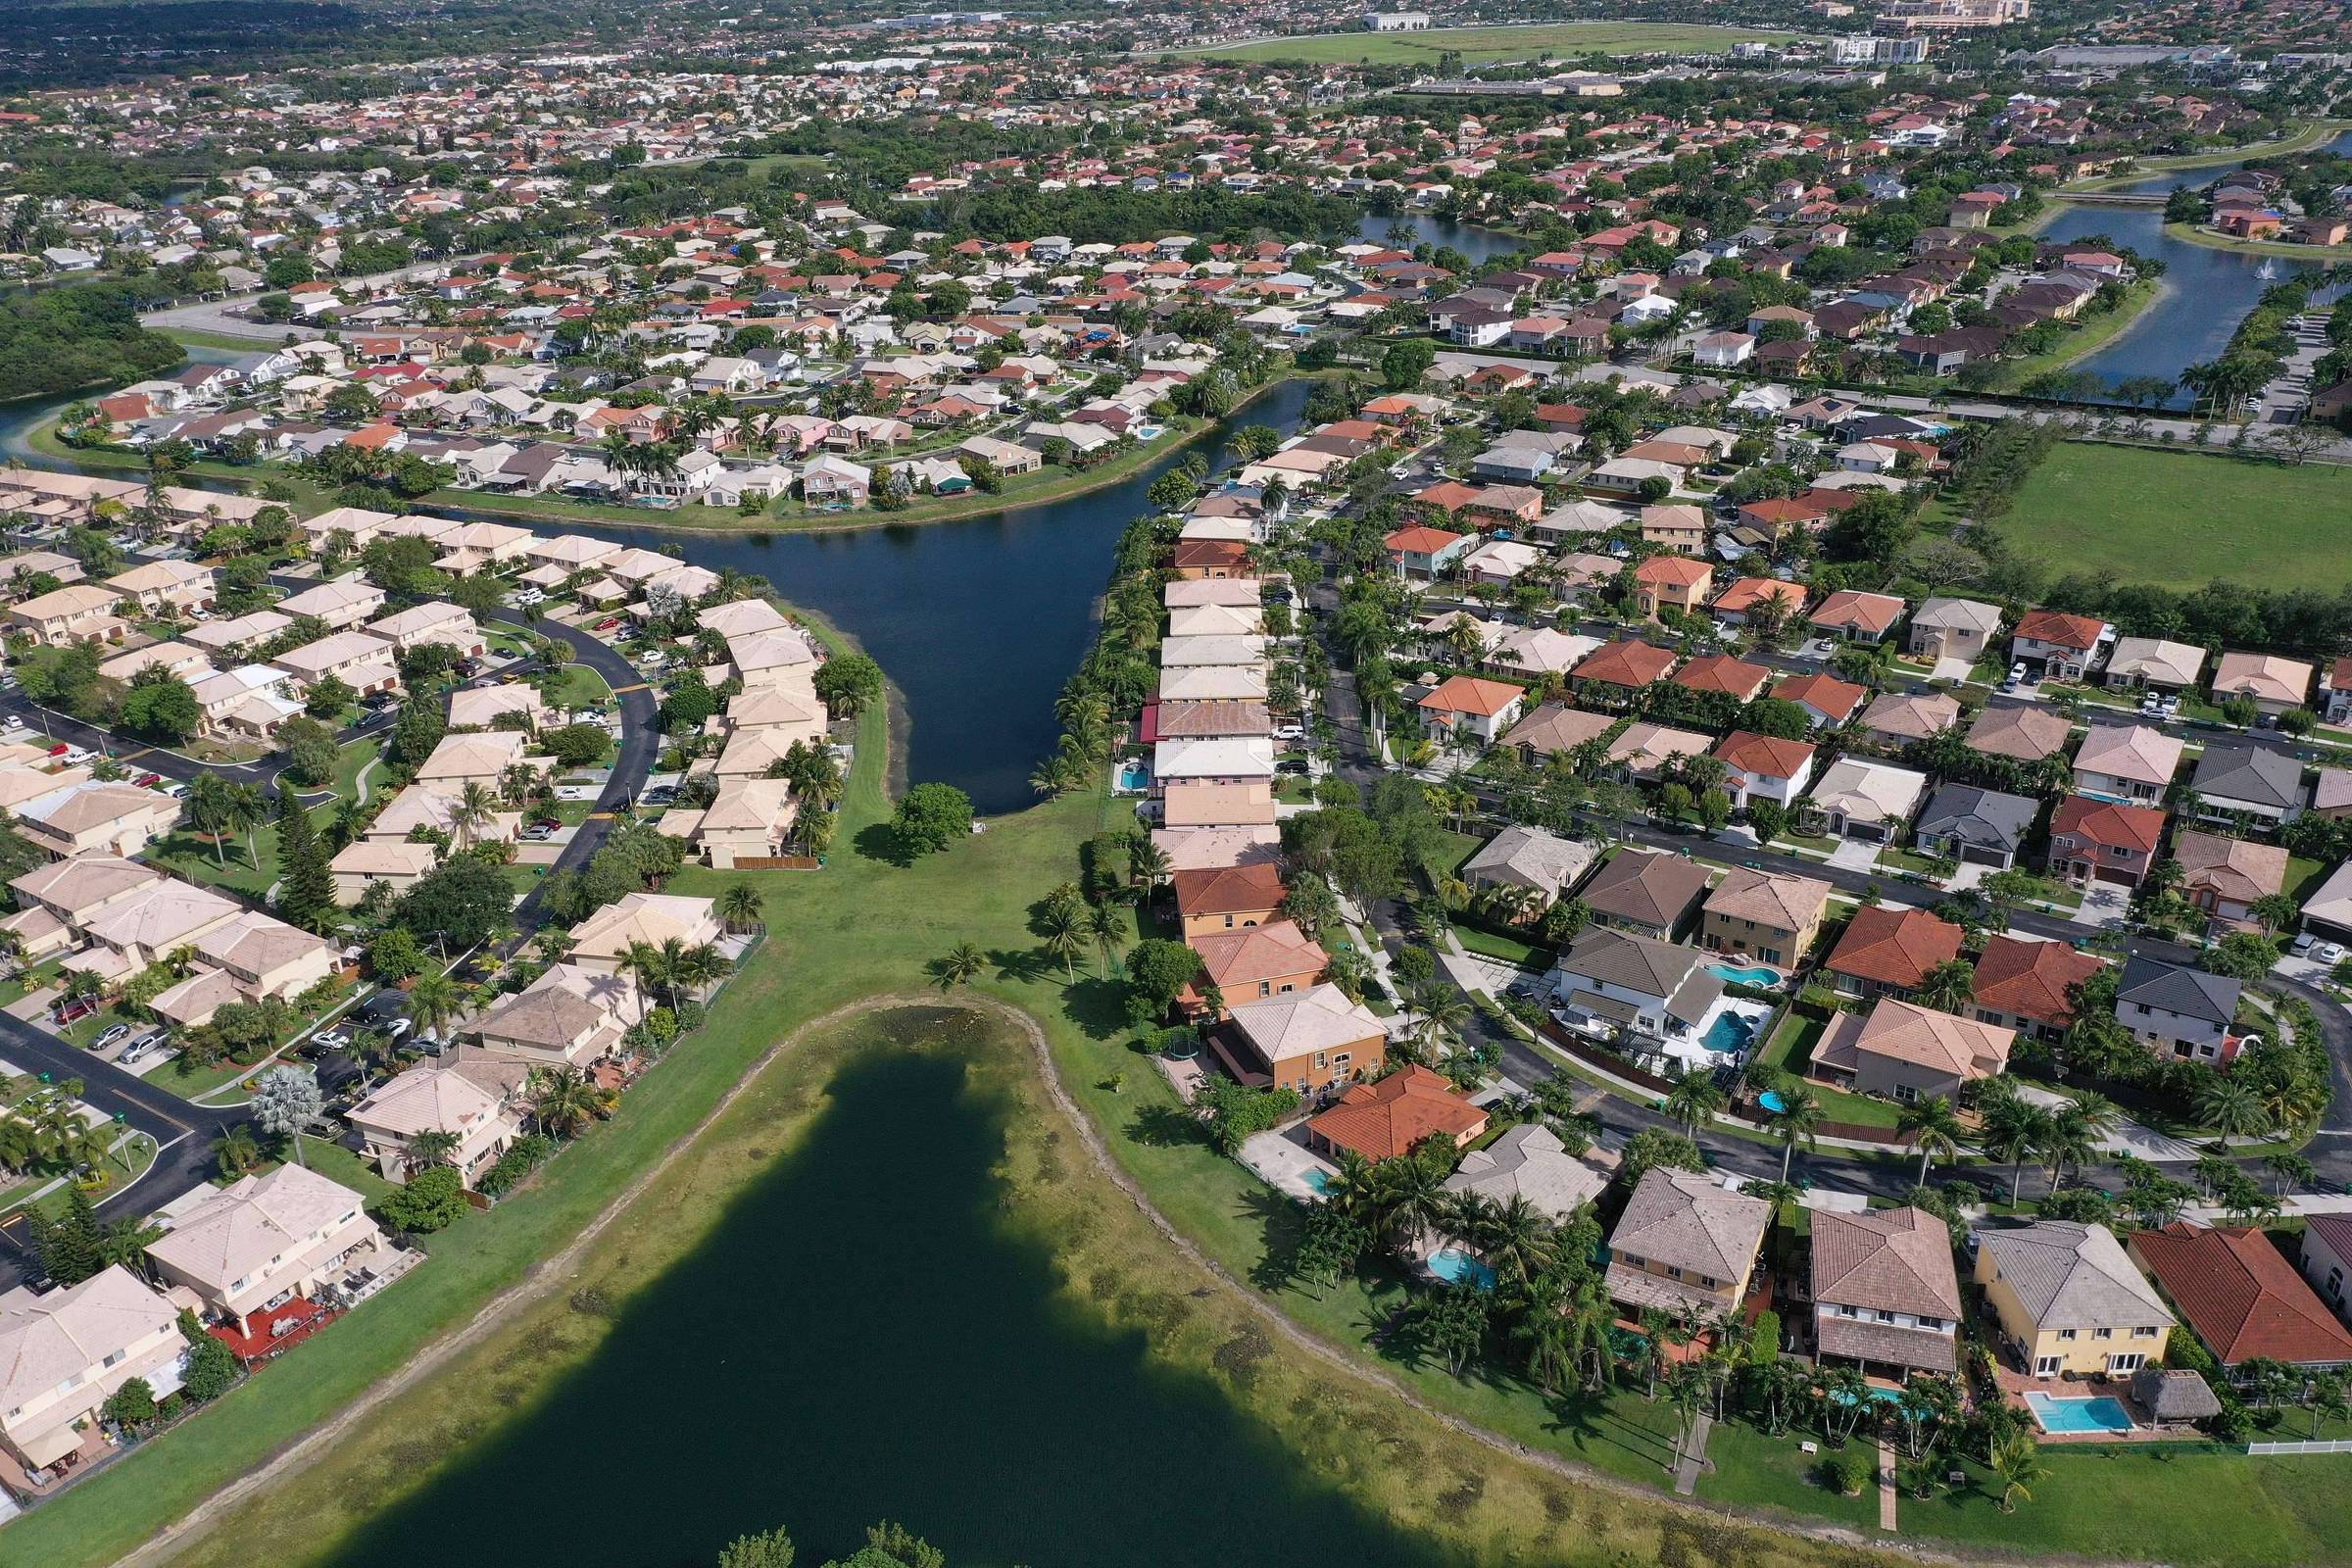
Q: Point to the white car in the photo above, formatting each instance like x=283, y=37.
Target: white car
x=2327, y=952
x=1290, y=732
x=531, y=595
x=2017, y=671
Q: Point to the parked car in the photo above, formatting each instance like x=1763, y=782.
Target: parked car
x=398, y=1029
x=140, y=1049
x=331, y=1039
x=551, y=823
x=535, y=834
x=60, y=748
x=531, y=595
x=2327, y=952
x=179, y=791
x=113, y=1033
x=74, y=1012
x=1290, y=732
x=608, y=623
x=147, y=781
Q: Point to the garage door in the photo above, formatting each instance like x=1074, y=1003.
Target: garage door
x=1978, y=854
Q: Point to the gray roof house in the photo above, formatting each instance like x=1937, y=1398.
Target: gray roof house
x=2178, y=1011
x=1982, y=827
x=1633, y=983
x=1529, y=857
x=1530, y=1161
x=2261, y=783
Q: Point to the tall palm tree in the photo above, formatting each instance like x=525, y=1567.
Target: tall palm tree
x=1793, y=1122
x=2075, y=1131
x=961, y=966
x=434, y=1000
x=1517, y=1239
x=648, y=965
x=1065, y=936
x=2015, y=1130
x=1935, y=1128
x=740, y=906
x=1692, y=1100
x=1949, y=986
x=473, y=810
x=1109, y=927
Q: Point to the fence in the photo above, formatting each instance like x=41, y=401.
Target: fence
x=2336, y=1445
x=776, y=862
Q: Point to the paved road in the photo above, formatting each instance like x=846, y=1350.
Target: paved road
x=214, y=315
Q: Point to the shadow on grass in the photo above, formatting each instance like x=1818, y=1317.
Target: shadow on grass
x=881, y=842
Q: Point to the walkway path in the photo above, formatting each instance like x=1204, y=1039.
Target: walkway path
x=1886, y=1492
x=1694, y=1456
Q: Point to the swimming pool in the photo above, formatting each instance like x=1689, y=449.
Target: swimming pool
x=1771, y=1100
x=2099, y=1415
x=1319, y=1181
x=1729, y=1035
x=1135, y=775
x=1458, y=1267
x=1753, y=975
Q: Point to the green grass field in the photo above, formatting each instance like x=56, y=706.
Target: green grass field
x=2180, y=520
x=1473, y=44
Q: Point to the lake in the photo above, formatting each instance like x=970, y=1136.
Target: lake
x=2208, y=291
x=1428, y=228
x=862, y=1336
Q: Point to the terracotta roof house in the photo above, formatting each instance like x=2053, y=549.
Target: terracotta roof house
x=2020, y=732
x=1466, y=708
x=1391, y=1117
x=1553, y=728
x=1684, y=1242
x=2063, y=645
x=1617, y=672
x=1826, y=699
x=2132, y=763
x=2102, y=840
x=2224, y=877
x=1722, y=673
x=1908, y=1052
x=1764, y=768
x=1228, y=899
x=1645, y=892
x=1764, y=915
x=1669, y=580
x=2069, y=1300
x=1746, y=595
x=1885, y=1292
x=1887, y=950
x=2029, y=985
x=2241, y=1297
x=1261, y=960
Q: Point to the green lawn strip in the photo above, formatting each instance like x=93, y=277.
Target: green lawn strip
x=2303, y=876
x=1494, y=945
x=1752, y=1469
x=579, y=687
x=2179, y=519
x=2190, y=234
x=2091, y=334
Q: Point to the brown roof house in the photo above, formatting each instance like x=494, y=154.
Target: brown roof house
x=1396, y=1115
x=1884, y=1293
x=1764, y=915
x=1908, y=1052
x=2029, y=985
x=1645, y=892
x=2241, y=1297
x=1308, y=1039
x=1685, y=1244
x=1888, y=951
x=2227, y=877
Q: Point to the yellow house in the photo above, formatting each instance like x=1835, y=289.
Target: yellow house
x=1761, y=915
x=2069, y=1300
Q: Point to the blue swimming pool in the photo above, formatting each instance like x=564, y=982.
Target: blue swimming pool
x=1730, y=1034
x=1753, y=975
x=2099, y=1415
x=1135, y=775
x=1319, y=1181
x=1771, y=1100
x=1458, y=1267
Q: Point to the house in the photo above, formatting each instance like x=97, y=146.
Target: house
x=2235, y=779
x=472, y=1100
x=65, y=1352
x=2019, y=731
x=602, y=942
x=1313, y=1040
x=1647, y=892
x=79, y=612
x=2029, y=985
x=1631, y=986
x=1764, y=915
x=1530, y=1163
x=1884, y=1293
x=2130, y=763
x=167, y=588
x=1959, y=629
x=1857, y=616
x=2064, y=647
x=1273, y=960
x=1868, y=801
x=1618, y=671
x=2069, y=1300
x=1555, y=729
x=1672, y=581
x=2274, y=684
x=341, y=604
x=478, y=758
x=1685, y=1244
x=1396, y=1116
x=2178, y=1011
x=1465, y=710
x=2327, y=1256
x=1522, y=856
x=1897, y=719
x=1827, y=701
x=1647, y=751
x=2242, y=1298
x=2328, y=911
x=2225, y=877
x=261, y=1239
x=1975, y=827
x=1746, y=599
x=1423, y=554
x=1227, y=899
x=436, y=621
x=93, y=817
x=360, y=660
x=1888, y=950
x=2153, y=664
x=2102, y=840
x=1906, y=1053
x=1764, y=768
x=571, y=1016
x=363, y=862
x=1724, y=676
x=1679, y=530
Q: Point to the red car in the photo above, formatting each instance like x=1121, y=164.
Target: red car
x=147, y=781
x=605, y=624
x=74, y=1012
x=60, y=748
x=547, y=822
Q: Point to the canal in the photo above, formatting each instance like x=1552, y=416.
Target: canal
x=978, y=623
x=866, y=1334
x=2207, y=291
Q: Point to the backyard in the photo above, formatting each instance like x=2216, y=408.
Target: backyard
x=2177, y=519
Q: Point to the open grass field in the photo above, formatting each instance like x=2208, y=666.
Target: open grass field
x=1522, y=42
x=2179, y=519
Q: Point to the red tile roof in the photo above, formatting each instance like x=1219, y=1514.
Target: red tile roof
x=1624, y=664
x=1894, y=946
x=1229, y=889
x=2059, y=629
x=2104, y=822
x=2033, y=979
x=1388, y=1118
x=1467, y=694
x=1766, y=755
x=2241, y=1295
x=1827, y=693
x=1721, y=672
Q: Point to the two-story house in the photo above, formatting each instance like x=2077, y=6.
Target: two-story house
x=1685, y=1244
x=1886, y=1296
x=2178, y=1011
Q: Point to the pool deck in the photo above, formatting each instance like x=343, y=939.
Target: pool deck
x=2015, y=1385
x=1282, y=1159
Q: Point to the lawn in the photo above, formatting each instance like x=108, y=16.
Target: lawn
x=1494, y=945
x=577, y=687
x=2177, y=519
x=247, y=865
x=2304, y=876
x=1521, y=42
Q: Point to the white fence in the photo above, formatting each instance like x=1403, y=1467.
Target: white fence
x=2339, y=1445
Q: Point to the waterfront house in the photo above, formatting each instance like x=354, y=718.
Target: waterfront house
x=263, y=1239
x=1884, y=1293
x=65, y=1350
x=571, y=1016
x=474, y=1101
x=1310, y=1039
x=1396, y=1115
x=1685, y=1244
x=2238, y=1293
x=2069, y=1300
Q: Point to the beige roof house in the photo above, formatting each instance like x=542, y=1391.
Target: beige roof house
x=28, y=781
x=357, y=658
x=156, y=918
x=603, y=940
x=483, y=758
x=1885, y=1292
x=91, y=817
x=742, y=617
x=164, y=585
x=474, y=1101
x=77, y=613
x=1897, y=718
x=267, y=957
x=1529, y=857
x=438, y=621
x=2127, y=761
x=1906, y=1051
x=342, y=604
x=1684, y=1242
x=262, y=1237
x=1530, y=1161
x=2275, y=683
x=72, y=892
x=360, y=865
x=2154, y=661
x=750, y=819
x=435, y=808
x=65, y=1352
x=569, y=1016
x=2020, y=732
x=482, y=706
x=171, y=657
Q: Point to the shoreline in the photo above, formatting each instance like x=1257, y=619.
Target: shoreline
x=2316, y=255
x=2312, y=134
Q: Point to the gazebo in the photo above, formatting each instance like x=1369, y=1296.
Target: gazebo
x=2173, y=1397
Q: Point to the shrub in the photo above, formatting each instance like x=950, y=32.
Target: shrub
x=523, y=1156
x=1845, y=1471
x=433, y=1199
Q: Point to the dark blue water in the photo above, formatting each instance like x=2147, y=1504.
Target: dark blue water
x=978, y=623
x=1479, y=244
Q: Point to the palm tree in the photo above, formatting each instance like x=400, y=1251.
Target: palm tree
x=565, y=1099
x=1065, y=936
x=1692, y=1100
x=1147, y=864
x=432, y=1146
x=961, y=966
x=1935, y=1128
x=1517, y=1239
x=1793, y=1122
x=433, y=1000
x=2017, y=1466
x=1108, y=928
x=740, y=906
x=648, y=965
x=2015, y=1130
x=1445, y=1014
x=2074, y=1131
x=473, y=810
x=1949, y=986
x=2231, y=1108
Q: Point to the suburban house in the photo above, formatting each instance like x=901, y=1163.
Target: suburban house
x=1310, y=1039
x=1764, y=768
x=1555, y=729
x=79, y=612
x=1953, y=628
x=169, y=588
x=2178, y=1011
x=1685, y=1244
x=1887, y=950
x=342, y=604
x=363, y=863
x=1396, y=1115
x=1763, y=915
x=1530, y=1163
x=2153, y=664
x=2326, y=1260
x=1618, y=671
x=569, y=1018
x=263, y=1238
x=1636, y=986
x=2029, y=985
x=1871, y=801
x=1896, y=720
x=472, y=1099
x=2095, y=838
x=2254, y=782
x=1523, y=856
x=1423, y=554
x=2240, y=1297
x=2069, y=1300
x=1262, y=961
x=65, y=1352
x=1465, y=709
x=1857, y=616
x=360, y=660
x=1906, y=1053
x=2132, y=763
x=1645, y=891
x=1975, y=827
x=1227, y=899
x=2227, y=877
x=1884, y=1293
x=2063, y=646
x=91, y=817
x=1671, y=581
x=1827, y=701
x=602, y=942
x=2272, y=683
